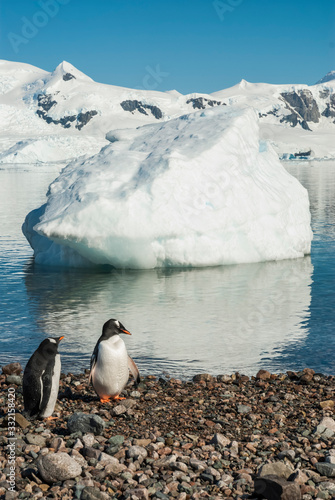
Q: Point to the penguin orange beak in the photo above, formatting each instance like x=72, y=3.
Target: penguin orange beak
x=126, y=331
x=61, y=338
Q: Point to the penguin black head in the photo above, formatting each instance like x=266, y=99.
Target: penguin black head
x=113, y=327
x=49, y=347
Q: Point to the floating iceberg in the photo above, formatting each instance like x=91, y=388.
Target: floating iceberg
x=198, y=190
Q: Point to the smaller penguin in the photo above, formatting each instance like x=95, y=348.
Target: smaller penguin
x=110, y=363
x=41, y=379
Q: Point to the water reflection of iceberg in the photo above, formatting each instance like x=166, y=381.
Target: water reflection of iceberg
x=184, y=321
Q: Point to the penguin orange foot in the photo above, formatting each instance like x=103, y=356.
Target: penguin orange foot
x=105, y=400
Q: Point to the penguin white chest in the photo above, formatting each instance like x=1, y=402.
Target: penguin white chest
x=110, y=373
x=49, y=409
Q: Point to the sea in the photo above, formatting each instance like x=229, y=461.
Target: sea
x=277, y=316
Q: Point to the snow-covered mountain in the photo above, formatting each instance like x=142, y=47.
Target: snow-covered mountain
x=327, y=78
x=64, y=114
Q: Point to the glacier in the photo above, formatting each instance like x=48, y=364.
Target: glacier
x=197, y=190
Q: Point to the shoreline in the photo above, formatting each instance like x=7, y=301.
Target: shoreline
x=212, y=437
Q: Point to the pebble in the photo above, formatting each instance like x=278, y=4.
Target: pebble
x=12, y=369
x=82, y=422
x=325, y=469
x=276, y=469
x=57, y=467
x=13, y=379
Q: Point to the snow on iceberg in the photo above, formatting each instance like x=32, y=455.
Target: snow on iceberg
x=197, y=190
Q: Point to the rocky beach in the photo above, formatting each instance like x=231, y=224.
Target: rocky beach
x=226, y=436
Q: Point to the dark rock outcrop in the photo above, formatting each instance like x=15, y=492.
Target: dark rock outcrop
x=68, y=77
x=303, y=154
x=324, y=93
x=84, y=118
x=45, y=102
x=203, y=103
x=303, y=108
x=134, y=105
x=329, y=112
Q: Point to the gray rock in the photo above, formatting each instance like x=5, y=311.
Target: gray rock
x=10, y=495
x=107, y=459
x=55, y=467
x=290, y=454
x=114, y=468
x=137, y=452
x=13, y=379
x=166, y=461
x=129, y=403
x=220, y=440
x=243, y=408
x=36, y=439
x=234, y=449
x=325, y=469
x=276, y=488
x=119, y=410
x=140, y=493
x=83, y=422
x=197, y=465
x=224, y=378
x=203, y=377
x=117, y=440
x=180, y=466
x=328, y=486
x=328, y=433
x=328, y=423
x=88, y=440
x=299, y=477
x=161, y=495
x=92, y=493
x=276, y=469
x=323, y=495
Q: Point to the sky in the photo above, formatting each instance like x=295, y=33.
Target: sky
x=190, y=46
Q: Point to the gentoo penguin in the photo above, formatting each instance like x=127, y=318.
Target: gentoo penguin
x=110, y=363
x=41, y=379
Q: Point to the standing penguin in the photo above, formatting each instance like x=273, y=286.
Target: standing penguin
x=110, y=363
x=41, y=379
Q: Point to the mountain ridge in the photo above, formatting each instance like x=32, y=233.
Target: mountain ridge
x=65, y=110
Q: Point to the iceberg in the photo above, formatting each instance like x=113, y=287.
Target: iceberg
x=197, y=190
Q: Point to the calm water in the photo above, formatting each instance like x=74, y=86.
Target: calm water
x=275, y=315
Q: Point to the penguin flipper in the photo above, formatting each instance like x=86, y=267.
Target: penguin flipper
x=134, y=370
x=46, y=388
x=31, y=393
x=94, y=359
